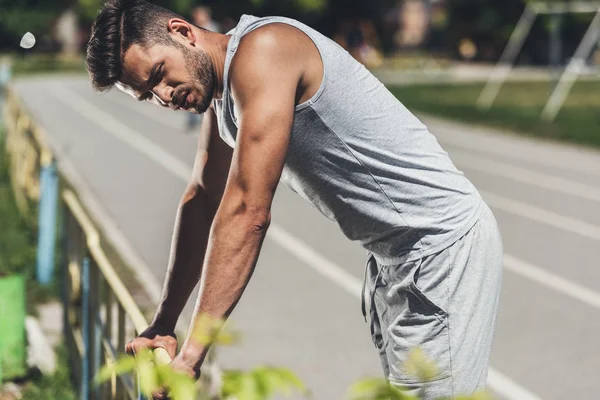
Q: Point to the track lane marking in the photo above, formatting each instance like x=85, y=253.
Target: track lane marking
x=524, y=175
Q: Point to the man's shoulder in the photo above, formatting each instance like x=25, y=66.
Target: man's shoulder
x=267, y=48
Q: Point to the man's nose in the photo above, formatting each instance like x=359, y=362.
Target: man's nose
x=164, y=94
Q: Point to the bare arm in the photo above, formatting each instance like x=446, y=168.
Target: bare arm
x=264, y=81
x=195, y=214
x=192, y=224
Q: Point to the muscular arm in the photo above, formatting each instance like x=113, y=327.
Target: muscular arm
x=192, y=225
x=264, y=80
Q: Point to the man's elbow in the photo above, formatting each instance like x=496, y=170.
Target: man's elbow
x=256, y=219
x=252, y=216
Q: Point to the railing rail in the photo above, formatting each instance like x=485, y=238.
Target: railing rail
x=100, y=313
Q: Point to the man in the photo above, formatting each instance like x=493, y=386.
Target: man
x=292, y=105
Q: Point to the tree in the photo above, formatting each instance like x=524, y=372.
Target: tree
x=20, y=16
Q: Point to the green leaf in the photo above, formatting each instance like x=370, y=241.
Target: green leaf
x=482, y=395
x=262, y=383
x=211, y=330
x=182, y=387
x=148, y=377
x=123, y=365
x=248, y=389
x=420, y=366
x=231, y=382
x=377, y=389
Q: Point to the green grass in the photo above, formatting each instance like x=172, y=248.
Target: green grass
x=17, y=255
x=18, y=241
x=31, y=64
x=518, y=108
x=54, y=387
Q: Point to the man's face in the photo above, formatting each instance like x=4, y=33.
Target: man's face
x=175, y=76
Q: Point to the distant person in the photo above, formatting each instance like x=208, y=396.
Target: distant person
x=202, y=18
x=283, y=102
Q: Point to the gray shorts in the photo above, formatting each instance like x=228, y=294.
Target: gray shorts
x=446, y=304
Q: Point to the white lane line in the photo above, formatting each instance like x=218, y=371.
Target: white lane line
x=313, y=259
x=510, y=389
x=552, y=281
x=541, y=215
x=527, y=176
x=487, y=146
x=497, y=382
x=123, y=132
x=144, y=109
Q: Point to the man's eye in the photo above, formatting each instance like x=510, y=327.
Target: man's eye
x=159, y=75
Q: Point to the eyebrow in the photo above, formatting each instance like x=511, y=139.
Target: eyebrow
x=149, y=81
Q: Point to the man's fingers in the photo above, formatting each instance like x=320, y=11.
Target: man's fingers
x=160, y=396
x=169, y=344
x=136, y=345
x=129, y=349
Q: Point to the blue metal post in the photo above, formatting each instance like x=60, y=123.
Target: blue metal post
x=85, y=329
x=47, y=223
x=5, y=75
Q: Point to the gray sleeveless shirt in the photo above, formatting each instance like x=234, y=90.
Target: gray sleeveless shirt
x=363, y=160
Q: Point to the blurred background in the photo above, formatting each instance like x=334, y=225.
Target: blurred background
x=510, y=88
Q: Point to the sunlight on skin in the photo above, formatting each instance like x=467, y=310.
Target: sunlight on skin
x=126, y=89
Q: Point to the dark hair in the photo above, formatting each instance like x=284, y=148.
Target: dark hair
x=120, y=24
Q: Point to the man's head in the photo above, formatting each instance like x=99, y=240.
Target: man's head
x=152, y=53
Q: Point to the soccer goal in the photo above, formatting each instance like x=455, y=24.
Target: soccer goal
x=515, y=44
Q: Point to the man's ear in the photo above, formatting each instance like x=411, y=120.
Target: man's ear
x=181, y=30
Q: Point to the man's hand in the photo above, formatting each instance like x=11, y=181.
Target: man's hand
x=152, y=338
x=178, y=365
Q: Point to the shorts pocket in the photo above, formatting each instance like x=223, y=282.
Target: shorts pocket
x=426, y=301
x=414, y=321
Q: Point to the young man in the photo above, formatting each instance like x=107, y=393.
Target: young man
x=289, y=104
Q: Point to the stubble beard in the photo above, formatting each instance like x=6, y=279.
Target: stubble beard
x=202, y=73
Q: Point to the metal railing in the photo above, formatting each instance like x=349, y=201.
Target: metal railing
x=99, y=312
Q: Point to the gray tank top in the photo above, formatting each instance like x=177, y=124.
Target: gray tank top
x=363, y=160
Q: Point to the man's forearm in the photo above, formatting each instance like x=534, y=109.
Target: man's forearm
x=231, y=258
x=192, y=226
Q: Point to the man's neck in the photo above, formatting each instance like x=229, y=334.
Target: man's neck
x=217, y=55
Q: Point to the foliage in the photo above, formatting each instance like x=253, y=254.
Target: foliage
x=46, y=63
x=258, y=384
x=17, y=250
x=20, y=16
x=416, y=365
x=377, y=389
x=261, y=383
x=53, y=387
x=18, y=240
x=489, y=24
x=518, y=108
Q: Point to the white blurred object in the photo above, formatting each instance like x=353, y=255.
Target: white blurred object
x=28, y=40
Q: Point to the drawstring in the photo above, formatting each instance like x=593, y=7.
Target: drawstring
x=363, y=306
x=372, y=294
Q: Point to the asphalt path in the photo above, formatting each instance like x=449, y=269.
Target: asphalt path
x=130, y=162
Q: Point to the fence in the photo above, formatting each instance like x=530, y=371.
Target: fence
x=99, y=312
